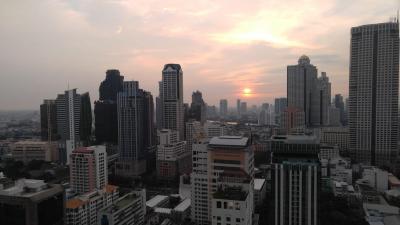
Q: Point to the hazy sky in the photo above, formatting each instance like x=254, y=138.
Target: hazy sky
x=223, y=46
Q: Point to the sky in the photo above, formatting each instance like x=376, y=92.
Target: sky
x=224, y=46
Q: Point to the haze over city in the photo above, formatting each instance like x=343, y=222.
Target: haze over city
x=227, y=49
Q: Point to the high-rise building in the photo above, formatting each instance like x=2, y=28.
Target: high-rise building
x=238, y=107
x=31, y=202
x=198, y=108
x=171, y=94
x=131, y=132
x=280, y=106
x=339, y=103
x=231, y=180
x=68, y=122
x=88, y=169
x=173, y=158
x=193, y=131
x=336, y=136
x=105, y=109
x=374, y=93
x=150, y=133
x=324, y=98
x=48, y=120
x=302, y=90
x=129, y=209
x=223, y=108
x=295, y=179
x=334, y=116
x=243, y=108
x=222, y=181
x=85, y=125
x=292, y=118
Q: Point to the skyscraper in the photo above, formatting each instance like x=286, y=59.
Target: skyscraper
x=85, y=126
x=295, y=179
x=280, y=106
x=105, y=109
x=339, y=104
x=223, y=108
x=48, y=120
x=130, y=103
x=68, y=122
x=238, y=107
x=198, y=109
x=373, y=93
x=302, y=90
x=324, y=98
x=171, y=95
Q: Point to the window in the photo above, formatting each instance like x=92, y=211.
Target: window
x=218, y=204
x=225, y=205
x=228, y=219
x=237, y=220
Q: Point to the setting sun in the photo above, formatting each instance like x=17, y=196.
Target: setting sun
x=247, y=92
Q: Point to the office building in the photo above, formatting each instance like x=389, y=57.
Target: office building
x=214, y=129
x=173, y=158
x=223, y=108
x=31, y=202
x=374, y=93
x=88, y=169
x=131, y=130
x=105, y=109
x=295, y=179
x=238, y=107
x=68, y=122
x=280, y=106
x=129, y=209
x=193, y=131
x=85, y=125
x=334, y=117
x=301, y=89
x=336, y=136
x=198, y=109
x=292, y=119
x=48, y=120
x=324, y=98
x=171, y=95
x=339, y=104
x=231, y=180
x=27, y=151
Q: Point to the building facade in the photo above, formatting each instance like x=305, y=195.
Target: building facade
x=373, y=93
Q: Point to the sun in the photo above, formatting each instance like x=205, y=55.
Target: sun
x=247, y=92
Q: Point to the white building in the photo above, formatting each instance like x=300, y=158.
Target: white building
x=172, y=155
x=129, y=209
x=193, y=131
x=260, y=190
x=214, y=129
x=376, y=178
x=88, y=169
x=373, y=99
x=83, y=209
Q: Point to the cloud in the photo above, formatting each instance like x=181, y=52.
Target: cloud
x=223, y=46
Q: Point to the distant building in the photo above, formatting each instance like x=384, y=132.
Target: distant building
x=296, y=177
x=223, y=108
x=31, y=202
x=214, y=129
x=27, y=151
x=48, y=120
x=334, y=117
x=324, y=98
x=171, y=96
x=280, y=106
x=339, y=104
x=129, y=209
x=88, y=169
x=292, y=118
x=243, y=108
x=374, y=93
x=336, y=136
x=198, y=109
x=193, y=130
x=105, y=109
x=238, y=104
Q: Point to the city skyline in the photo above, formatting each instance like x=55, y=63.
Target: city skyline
x=73, y=44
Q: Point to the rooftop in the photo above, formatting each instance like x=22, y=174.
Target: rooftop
x=74, y=203
x=231, y=194
x=156, y=200
x=184, y=205
x=258, y=184
x=237, y=141
x=296, y=139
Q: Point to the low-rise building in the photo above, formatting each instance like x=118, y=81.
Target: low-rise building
x=31, y=202
x=27, y=151
x=82, y=209
x=129, y=209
